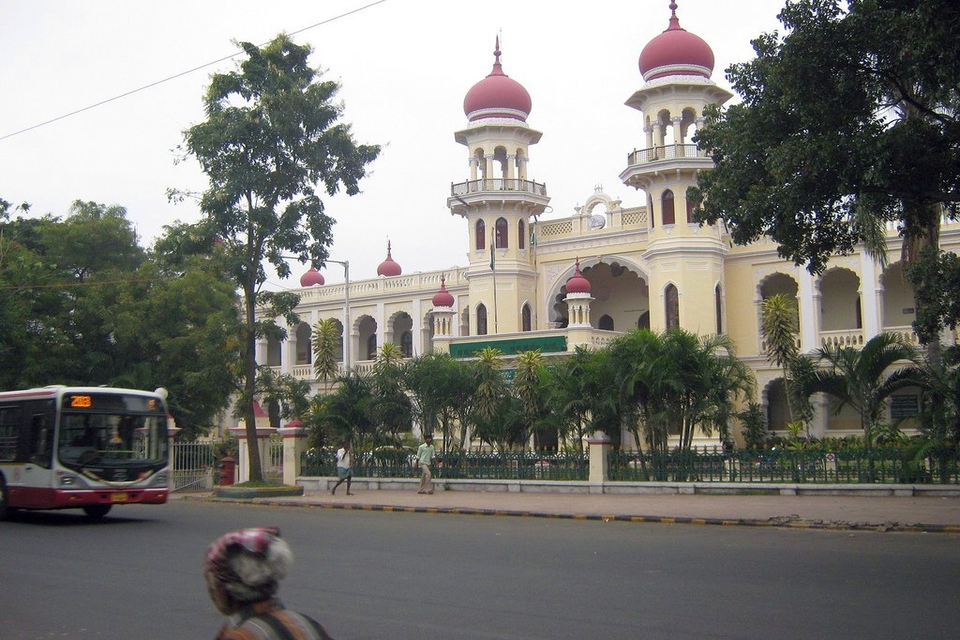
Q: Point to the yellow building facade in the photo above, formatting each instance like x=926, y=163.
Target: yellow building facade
x=649, y=266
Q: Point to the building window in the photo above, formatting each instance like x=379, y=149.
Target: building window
x=643, y=322
x=691, y=210
x=372, y=347
x=526, y=322
x=406, y=344
x=605, y=323
x=672, y=303
x=521, y=235
x=501, y=233
x=481, y=320
x=481, y=229
x=666, y=205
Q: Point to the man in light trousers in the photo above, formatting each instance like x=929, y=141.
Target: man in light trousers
x=425, y=455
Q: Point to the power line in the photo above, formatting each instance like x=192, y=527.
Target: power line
x=182, y=73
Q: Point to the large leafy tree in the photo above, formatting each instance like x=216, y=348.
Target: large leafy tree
x=272, y=137
x=848, y=124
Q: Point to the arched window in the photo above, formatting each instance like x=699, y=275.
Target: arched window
x=605, y=323
x=666, y=205
x=501, y=233
x=643, y=322
x=372, y=347
x=406, y=344
x=718, y=308
x=690, y=211
x=481, y=229
x=521, y=235
x=672, y=303
x=481, y=320
x=526, y=322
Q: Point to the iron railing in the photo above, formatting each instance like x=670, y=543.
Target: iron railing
x=192, y=463
x=401, y=463
x=889, y=465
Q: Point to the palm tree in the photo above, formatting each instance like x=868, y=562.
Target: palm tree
x=390, y=406
x=327, y=343
x=858, y=377
x=531, y=391
x=779, y=327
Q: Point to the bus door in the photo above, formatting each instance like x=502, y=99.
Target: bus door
x=38, y=473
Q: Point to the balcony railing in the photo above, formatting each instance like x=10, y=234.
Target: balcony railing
x=498, y=184
x=666, y=152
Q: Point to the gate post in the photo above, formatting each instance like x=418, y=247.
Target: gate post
x=243, y=462
x=599, y=447
x=294, y=444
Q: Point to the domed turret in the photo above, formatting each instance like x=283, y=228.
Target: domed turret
x=497, y=96
x=577, y=283
x=388, y=267
x=443, y=298
x=676, y=52
x=311, y=278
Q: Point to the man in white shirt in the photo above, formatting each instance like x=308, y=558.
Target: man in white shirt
x=344, y=467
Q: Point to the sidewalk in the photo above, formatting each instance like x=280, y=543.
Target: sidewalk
x=931, y=514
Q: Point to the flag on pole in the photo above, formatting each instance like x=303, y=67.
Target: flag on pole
x=492, y=244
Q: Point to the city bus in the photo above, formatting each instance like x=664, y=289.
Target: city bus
x=82, y=447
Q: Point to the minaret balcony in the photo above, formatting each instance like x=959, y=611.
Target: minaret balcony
x=498, y=185
x=666, y=152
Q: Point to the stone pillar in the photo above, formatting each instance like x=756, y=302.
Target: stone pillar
x=599, y=447
x=294, y=444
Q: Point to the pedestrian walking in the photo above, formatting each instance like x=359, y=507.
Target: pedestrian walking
x=425, y=455
x=243, y=570
x=344, y=467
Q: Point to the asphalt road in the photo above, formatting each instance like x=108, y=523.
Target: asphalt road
x=410, y=575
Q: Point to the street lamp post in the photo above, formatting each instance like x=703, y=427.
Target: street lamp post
x=347, y=341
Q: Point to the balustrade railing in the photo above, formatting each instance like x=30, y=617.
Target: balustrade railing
x=666, y=152
x=498, y=184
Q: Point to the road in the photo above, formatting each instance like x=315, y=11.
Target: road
x=408, y=575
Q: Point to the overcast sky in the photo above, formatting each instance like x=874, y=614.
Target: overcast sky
x=404, y=65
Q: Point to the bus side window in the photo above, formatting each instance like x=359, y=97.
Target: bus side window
x=41, y=445
x=9, y=433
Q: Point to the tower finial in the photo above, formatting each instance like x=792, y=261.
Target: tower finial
x=674, y=20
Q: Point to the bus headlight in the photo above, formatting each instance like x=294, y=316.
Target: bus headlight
x=69, y=480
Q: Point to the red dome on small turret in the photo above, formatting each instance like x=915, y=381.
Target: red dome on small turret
x=311, y=278
x=443, y=298
x=497, y=96
x=388, y=267
x=577, y=283
x=676, y=52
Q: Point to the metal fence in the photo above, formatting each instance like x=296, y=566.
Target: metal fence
x=192, y=463
x=891, y=465
x=273, y=465
x=401, y=463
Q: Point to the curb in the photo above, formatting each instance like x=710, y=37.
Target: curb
x=780, y=522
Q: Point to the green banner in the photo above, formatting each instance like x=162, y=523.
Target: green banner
x=512, y=346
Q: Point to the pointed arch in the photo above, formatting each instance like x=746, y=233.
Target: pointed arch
x=526, y=317
x=480, y=231
x=671, y=301
x=667, y=212
x=521, y=235
x=501, y=233
x=481, y=319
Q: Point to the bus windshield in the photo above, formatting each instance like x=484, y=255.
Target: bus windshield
x=106, y=444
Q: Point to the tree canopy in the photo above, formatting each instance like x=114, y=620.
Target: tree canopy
x=82, y=303
x=271, y=137
x=848, y=124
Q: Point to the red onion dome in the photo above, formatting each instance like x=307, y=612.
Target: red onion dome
x=443, y=298
x=577, y=283
x=497, y=96
x=676, y=52
x=388, y=267
x=311, y=278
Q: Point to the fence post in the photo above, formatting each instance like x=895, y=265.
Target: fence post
x=599, y=448
x=294, y=444
x=172, y=432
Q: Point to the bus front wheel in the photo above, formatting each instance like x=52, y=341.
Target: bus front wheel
x=97, y=511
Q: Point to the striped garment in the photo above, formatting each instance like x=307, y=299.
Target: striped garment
x=268, y=620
